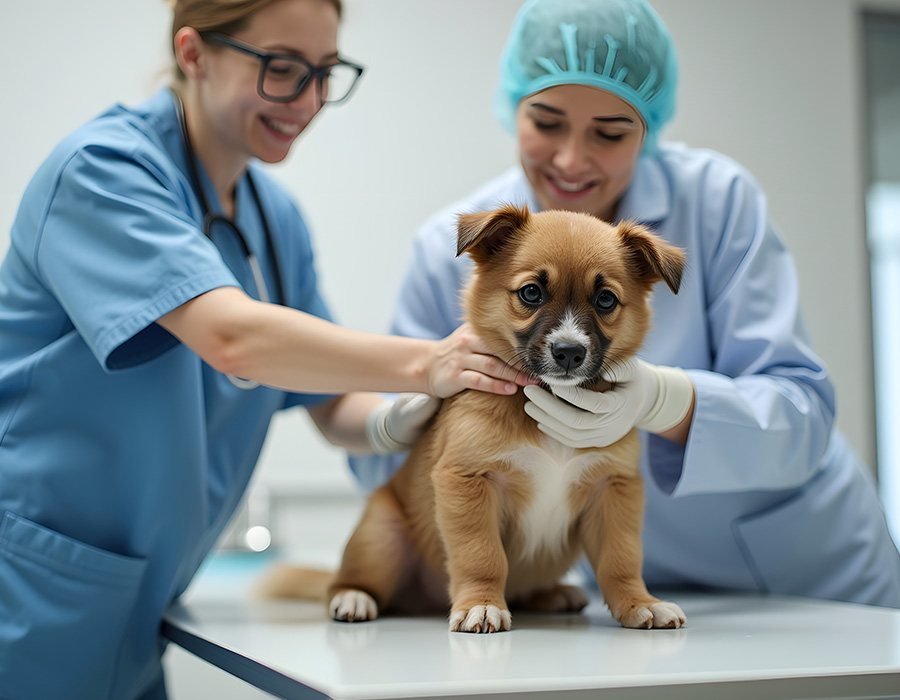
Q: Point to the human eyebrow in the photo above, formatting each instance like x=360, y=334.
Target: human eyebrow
x=289, y=51
x=614, y=119
x=547, y=108
x=610, y=119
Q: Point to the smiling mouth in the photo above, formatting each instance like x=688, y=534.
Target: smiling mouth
x=567, y=187
x=282, y=127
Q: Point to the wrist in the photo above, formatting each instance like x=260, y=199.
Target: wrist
x=419, y=364
x=673, y=400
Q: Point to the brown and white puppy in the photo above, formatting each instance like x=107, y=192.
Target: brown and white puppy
x=488, y=512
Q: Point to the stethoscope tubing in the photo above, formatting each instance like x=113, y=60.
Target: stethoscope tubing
x=209, y=218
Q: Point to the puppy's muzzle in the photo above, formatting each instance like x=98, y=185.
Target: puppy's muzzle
x=569, y=356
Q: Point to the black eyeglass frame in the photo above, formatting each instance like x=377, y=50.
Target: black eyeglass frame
x=319, y=73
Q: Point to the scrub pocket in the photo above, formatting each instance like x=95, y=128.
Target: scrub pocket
x=63, y=610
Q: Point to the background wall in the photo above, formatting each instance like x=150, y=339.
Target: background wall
x=776, y=84
x=773, y=83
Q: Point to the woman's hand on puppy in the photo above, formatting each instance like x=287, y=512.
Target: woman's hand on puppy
x=650, y=397
x=462, y=361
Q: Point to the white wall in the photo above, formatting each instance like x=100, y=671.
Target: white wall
x=774, y=83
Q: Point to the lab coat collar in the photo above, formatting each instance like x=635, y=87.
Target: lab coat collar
x=648, y=199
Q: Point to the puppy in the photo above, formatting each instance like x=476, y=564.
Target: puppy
x=488, y=512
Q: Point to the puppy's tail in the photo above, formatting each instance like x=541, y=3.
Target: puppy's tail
x=286, y=581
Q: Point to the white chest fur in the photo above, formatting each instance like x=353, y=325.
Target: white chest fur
x=553, y=470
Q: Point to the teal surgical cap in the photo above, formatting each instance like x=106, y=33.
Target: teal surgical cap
x=621, y=46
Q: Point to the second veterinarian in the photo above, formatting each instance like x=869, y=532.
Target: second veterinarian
x=750, y=486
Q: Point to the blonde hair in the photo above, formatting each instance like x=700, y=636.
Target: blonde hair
x=224, y=16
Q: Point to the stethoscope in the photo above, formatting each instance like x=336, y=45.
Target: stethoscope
x=210, y=219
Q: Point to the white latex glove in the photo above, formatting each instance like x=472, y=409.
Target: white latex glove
x=394, y=426
x=649, y=397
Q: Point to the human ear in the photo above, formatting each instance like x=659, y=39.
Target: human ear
x=189, y=52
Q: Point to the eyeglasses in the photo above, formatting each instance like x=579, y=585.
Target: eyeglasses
x=282, y=77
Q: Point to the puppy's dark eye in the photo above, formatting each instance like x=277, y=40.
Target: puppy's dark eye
x=531, y=295
x=605, y=301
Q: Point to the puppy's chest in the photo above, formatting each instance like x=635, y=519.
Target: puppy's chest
x=554, y=480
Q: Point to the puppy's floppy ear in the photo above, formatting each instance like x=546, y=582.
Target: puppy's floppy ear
x=484, y=233
x=653, y=258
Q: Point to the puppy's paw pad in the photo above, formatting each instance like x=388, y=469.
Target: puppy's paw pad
x=353, y=606
x=667, y=615
x=481, y=618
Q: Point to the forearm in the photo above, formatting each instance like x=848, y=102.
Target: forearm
x=291, y=350
x=298, y=352
x=342, y=421
x=288, y=349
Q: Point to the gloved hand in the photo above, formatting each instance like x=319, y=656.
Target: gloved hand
x=645, y=396
x=394, y=426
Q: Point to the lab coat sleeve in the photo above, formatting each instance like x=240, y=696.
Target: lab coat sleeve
x=427, y=307
x=765, y=408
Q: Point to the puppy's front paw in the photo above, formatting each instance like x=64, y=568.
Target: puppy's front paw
x=658, y=614
x=667, y=615
x=480, y=618
x=353, y=606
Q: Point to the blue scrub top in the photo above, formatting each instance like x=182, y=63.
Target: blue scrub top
x=122, y=454
x=767, y=495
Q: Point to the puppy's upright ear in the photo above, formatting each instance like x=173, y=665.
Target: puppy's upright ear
x=653, y=258
x=482, y=234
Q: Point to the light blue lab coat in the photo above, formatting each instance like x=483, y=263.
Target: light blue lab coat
x=122, y=455
x=767, y=495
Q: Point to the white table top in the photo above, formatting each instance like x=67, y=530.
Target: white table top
x=734, y=646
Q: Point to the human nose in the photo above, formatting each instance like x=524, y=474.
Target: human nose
x=571, y=155
x=311, y=99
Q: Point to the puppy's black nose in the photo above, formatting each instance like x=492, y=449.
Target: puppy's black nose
x=569, y=356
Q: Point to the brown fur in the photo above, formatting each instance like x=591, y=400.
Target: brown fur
x=451, y=527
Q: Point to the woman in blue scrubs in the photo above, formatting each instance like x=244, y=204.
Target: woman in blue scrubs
x=749, y=485
x=140, y=364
